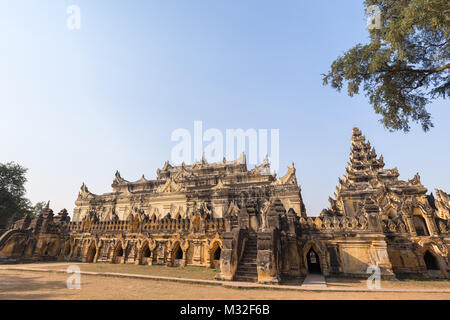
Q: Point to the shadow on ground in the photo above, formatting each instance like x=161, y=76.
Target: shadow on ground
x=14, y=286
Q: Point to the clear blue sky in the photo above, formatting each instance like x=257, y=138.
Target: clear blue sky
x=77, y=105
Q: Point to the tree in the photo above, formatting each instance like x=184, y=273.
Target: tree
x=13, y=204
x=37, y=208
x=404, y=66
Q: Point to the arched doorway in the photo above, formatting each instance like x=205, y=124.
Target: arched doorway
x=215, y=256
x=217, y=253
x=313, y=261
x=91, y=253
x=430, y=261
x=67, y=251
x=178, y=253
x=177, y=256
x=118, y=254
x=146, y=254
x=420, y=225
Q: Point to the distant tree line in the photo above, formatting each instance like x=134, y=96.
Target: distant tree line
x=13, y=203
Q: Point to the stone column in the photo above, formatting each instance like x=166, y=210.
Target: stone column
x=197, y=259
x=268, y=257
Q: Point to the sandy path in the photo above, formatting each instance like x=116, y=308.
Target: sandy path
x=16, y=284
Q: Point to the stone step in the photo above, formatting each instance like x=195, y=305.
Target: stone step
x=246, y=270
x=248, y=259
x=253, y=277
x=246, y=275
x=251, y=269
x=245, y=279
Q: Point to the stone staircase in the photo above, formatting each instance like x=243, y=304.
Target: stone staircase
x=247, y=270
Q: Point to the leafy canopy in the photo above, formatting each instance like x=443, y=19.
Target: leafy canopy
x=404, y=66
x=13, y=204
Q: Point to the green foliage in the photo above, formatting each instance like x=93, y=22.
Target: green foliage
x=37, y=208
x=13, y=204
x=404, y=66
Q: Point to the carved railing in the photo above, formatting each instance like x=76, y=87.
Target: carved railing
x=233, y=245
x=161, y=225
x=337, y=223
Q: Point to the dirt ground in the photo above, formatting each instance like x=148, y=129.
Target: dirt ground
x=190, y=272
x=15, y=284
x=389, y=284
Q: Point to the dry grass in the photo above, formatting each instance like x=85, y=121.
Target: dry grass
x=189, y=272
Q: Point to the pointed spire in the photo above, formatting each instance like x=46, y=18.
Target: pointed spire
x=84, y=188
x=242, y=158
x=204, y=159
x=166, y=166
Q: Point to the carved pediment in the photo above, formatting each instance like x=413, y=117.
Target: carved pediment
x=118, y=179
x=288, y=178
x=85, y=193
x=415, y=180
x=169, y=186
x=183, y=173
x=263, y=168
x=220, y=184
x=166, y=166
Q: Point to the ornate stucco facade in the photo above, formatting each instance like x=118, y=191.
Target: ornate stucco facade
x=249, y=223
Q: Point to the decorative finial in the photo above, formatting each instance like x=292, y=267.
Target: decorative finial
x=84, y=188
x=203, y=158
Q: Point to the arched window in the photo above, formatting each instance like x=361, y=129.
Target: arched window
x=120, y=252
x=420, y=225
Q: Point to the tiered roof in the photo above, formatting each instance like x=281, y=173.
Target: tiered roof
x=365, y=178
x=200, y=174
